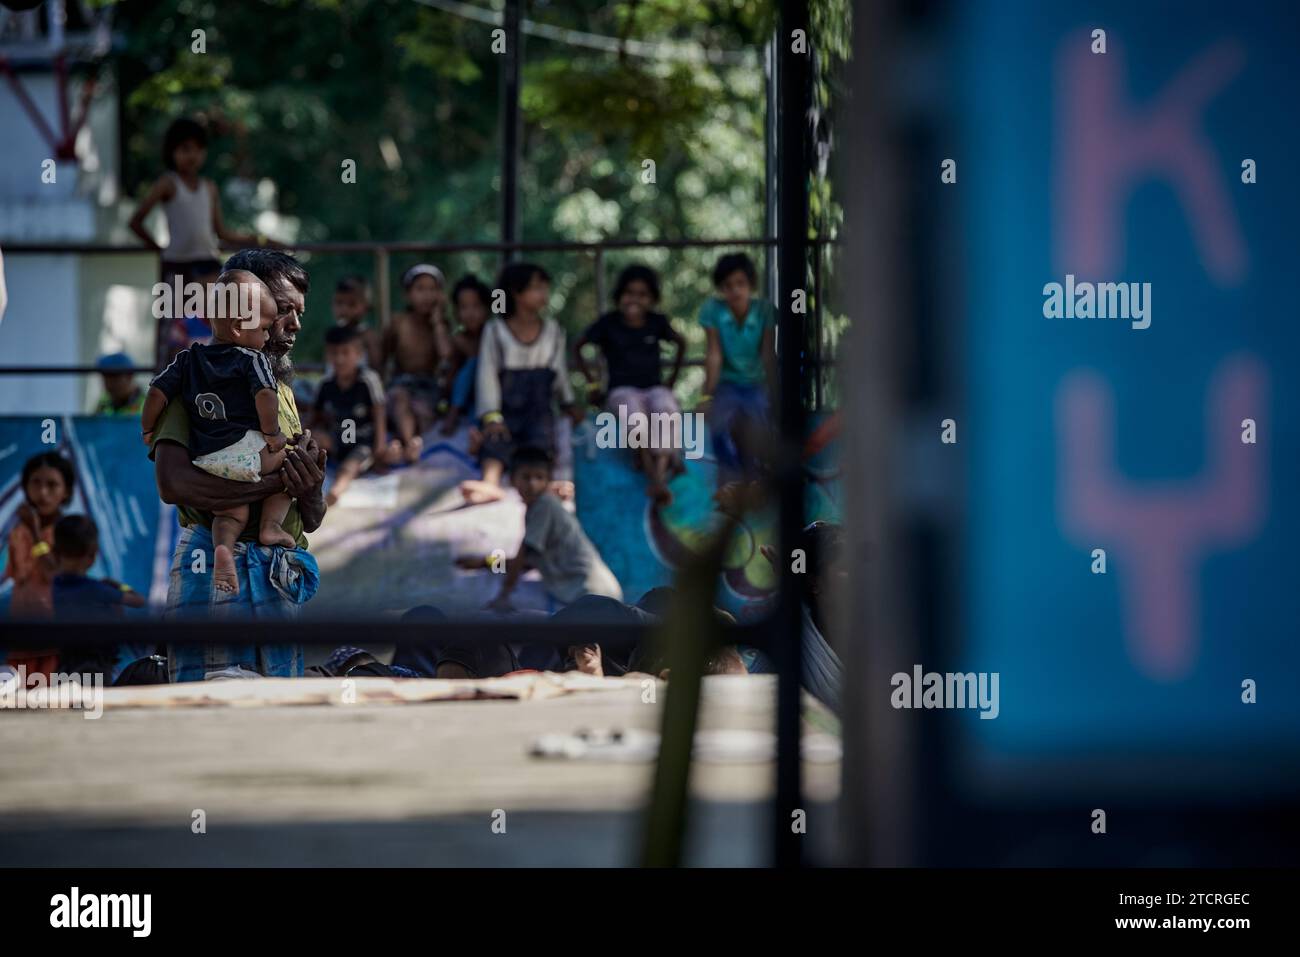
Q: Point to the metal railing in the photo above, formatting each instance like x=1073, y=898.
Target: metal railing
x=383, y=252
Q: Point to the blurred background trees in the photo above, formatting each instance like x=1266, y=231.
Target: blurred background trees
x=292, y=88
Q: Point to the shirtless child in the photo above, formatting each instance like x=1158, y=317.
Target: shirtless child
x=417, y=356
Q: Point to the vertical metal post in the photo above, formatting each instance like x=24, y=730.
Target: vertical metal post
x=383, y=288
x=792, y=269
x=878, y=811
x=771, y=171
x=819, y=371
x=511, y=66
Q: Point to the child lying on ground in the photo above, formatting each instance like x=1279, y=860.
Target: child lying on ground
x=646, y=660
x=554, y=543
x=230, y=395
x=349, y=419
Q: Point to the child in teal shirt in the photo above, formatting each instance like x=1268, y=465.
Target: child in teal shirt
x=740, y=365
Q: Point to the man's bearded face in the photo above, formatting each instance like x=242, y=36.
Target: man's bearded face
x=289, y=304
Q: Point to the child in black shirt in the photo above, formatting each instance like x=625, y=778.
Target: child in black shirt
x=230, y=395
x=629, y=338
x=349, y=415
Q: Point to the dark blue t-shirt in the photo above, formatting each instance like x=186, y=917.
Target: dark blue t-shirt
x=357, y=402
x=218, y=384
x=632, y=354
x=77, y=596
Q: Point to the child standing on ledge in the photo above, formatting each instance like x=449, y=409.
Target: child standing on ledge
x=194, y=226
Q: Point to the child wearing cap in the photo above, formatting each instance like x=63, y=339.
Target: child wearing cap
x=122, y=394
x=417, y=356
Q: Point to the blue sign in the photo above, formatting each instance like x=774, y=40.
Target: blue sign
x=1130, y=553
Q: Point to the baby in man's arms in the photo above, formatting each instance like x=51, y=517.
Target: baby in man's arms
x=230, y=395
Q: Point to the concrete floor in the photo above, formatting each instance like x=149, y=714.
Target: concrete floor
x=367, y=784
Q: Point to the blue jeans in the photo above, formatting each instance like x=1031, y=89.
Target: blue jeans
x=735, y=410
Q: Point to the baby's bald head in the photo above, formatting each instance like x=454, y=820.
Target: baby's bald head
x=244, y=304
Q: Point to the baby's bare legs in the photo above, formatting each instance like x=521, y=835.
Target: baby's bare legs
x=274, y=507
x=227, y=523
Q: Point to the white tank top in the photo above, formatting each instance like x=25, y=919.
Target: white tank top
x=189, y=223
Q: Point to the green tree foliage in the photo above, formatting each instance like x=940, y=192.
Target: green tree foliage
x=292, y=88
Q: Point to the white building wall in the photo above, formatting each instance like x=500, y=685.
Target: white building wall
x=59, y=304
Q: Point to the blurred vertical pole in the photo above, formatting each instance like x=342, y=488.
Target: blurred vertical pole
x=877, y=792
x=819, y=369
x=599, y=267
x=771, y=170
x=511, y=68
x=793, y=71
x=383, y=285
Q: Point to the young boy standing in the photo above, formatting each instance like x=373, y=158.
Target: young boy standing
x=417, y=345
x=348, y=419
x=554, y=543
x=740, y=365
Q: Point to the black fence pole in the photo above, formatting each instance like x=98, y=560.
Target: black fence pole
x=771, y=171
x=819, y=371
x=511, y=68
x=792, y=257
